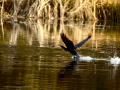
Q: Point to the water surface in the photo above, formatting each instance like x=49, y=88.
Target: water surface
x=31, y=57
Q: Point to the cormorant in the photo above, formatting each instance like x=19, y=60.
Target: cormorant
x=70, y=47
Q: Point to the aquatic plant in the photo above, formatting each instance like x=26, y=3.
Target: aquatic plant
x=69, y=9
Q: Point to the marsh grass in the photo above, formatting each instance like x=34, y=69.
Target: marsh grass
x=65, y=9
x=108, y=12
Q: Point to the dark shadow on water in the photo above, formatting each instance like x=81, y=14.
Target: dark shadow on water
x=68, y=68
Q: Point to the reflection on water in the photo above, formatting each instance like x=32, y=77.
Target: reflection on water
x=30, y=56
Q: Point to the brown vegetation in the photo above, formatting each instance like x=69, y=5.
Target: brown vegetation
x=68, y=9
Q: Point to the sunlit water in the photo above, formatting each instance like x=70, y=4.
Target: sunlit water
x=31, y=57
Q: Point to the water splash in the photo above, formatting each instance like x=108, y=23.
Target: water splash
x=87, y=58
x=113, y=60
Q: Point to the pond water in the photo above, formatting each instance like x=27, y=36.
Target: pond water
x=31, y=57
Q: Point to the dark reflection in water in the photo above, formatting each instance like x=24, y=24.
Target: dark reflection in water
x=67, y=68
x=30, y=56
x=91, y=75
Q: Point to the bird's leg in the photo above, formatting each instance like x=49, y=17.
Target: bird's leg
x=78, y=56
x=74, y=58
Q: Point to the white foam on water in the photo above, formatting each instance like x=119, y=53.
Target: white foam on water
x=115, y=60
x=86, y=58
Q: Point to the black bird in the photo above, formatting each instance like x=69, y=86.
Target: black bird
x=70, y=46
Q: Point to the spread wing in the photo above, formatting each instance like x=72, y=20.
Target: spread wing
x=69, y=44
x=82, y=42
